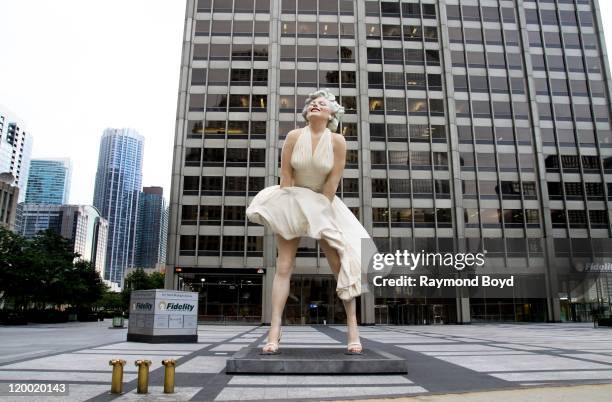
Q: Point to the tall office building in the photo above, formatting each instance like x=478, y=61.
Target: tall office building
x=15, y=149
x=81, y=224
x=118, y=182
x=49, y=181
x=151, y=232
x=484, y=120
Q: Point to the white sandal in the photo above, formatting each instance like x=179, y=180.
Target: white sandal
x=275, y=346
x=354, y=352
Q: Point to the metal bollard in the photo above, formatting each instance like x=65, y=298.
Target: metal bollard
x=170, y=364
x=143, y=376
x=117, y=378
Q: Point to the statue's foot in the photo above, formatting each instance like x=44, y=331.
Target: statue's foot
x=354, y=348
x=272, y=348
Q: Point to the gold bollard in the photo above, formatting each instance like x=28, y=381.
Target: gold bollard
x=143, y=376
x=170, y=364
x=117, y=379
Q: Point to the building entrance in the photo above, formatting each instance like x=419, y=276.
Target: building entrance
x=313, y=300
x=414, y=311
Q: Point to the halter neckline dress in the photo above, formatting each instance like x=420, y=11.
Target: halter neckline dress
x=303, y=211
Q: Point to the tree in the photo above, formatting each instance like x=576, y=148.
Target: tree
x=140, y=280
x=13, y=275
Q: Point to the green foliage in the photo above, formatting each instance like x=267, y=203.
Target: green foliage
x=140, y=280
x=42, y=272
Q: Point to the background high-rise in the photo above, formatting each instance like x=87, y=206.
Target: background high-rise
x=117, y=189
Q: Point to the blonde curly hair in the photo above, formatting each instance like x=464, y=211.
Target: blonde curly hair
x=336, y=108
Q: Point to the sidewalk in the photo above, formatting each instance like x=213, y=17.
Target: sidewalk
x=488, y=362
x=590, y=393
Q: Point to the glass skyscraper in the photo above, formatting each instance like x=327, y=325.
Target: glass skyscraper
x=118, y=183
x=49, y=181
x=15, y=149
x=486, y=121
x=152, y=228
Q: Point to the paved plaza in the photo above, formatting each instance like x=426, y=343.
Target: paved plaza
x=441, y=359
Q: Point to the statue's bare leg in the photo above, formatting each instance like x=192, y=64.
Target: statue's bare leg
x=280, y=285
x=349, y=306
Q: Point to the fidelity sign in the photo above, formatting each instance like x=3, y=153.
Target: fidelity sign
x=160, y=315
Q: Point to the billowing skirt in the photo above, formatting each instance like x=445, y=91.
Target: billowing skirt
x=298, y=211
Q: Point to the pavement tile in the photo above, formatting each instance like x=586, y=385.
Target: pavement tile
x=203, y=364
x=520, y=363
x=157, y=394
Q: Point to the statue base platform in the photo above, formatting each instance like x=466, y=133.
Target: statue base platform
x=314, y=361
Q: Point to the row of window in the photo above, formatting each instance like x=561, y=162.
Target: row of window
x=501, y=109
x=577, y=190
x=233, y=76
x=496, y=134
x=492, y=189
x=397, y=106
x=320, y=78
x=488, y=162
x=561, y=87
x=416, y=57
x=221, y=102
x=551, y=62
x=570, y=40
x=235, y=28
x=404, y=188
x=475, y=13
x=323, y=30
x=401, y=132
x=419, y=217
x=554, y=17
x=397, y=160
x=410, y=33
x=221, y=128
x=579, y=218
x=577, y=112
x=235, y=51
x=231, y=157
x=419, y=160
x=572, y=163
x=344, y=7
x=410, y=81
x=398, y=10
x=491, y=217
x=557, y=87
x=214, y=245
x=237, y=6
x=314, y=53
x=567, y=137
x=514, y=61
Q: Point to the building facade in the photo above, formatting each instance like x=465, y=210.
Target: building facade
x=481, y=121
x=8, y=201
x=15, y=149
x=118, y=183
x=81, y=224
x=49, y=181
x=152, y=228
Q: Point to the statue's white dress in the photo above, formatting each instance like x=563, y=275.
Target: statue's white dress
x=303, y=210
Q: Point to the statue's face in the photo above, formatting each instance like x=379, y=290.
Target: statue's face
x=319, y=107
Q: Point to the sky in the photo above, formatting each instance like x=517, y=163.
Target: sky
x=71, y=68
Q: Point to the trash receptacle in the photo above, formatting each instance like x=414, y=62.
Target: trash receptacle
x=117, y=321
